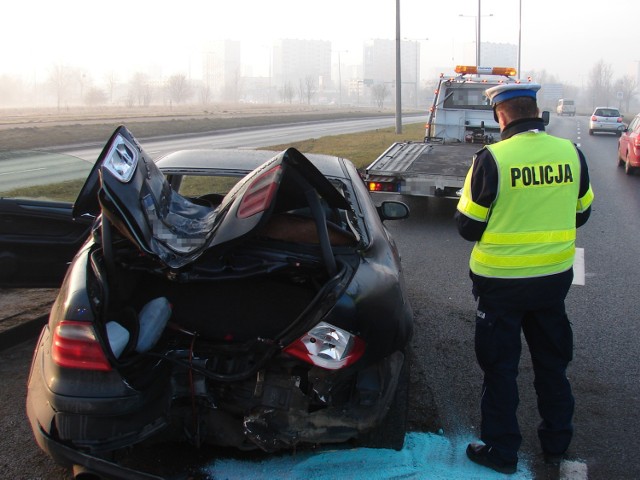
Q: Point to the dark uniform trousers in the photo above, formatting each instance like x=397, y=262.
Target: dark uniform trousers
x=498, y=346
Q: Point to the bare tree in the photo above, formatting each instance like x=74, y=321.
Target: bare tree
x=380, y=92
x=287, y=93
x=628, y=86
x=95, y=96
x=139, y=90
x=60, y=80
x=600, y=83
x=307, y=89
x=204, y=94
x=111, y=80
x=178, y=88
x=542, y=77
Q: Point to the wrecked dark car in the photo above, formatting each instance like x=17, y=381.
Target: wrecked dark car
x=236, y=298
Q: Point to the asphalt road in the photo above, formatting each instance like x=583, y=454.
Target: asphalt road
x=446, y=380
x=604, y=314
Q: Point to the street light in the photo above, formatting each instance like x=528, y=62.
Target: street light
x=398, y=75
x=477, y=25
x=340, y=71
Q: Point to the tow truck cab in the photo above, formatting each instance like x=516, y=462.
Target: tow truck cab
x=461, y=112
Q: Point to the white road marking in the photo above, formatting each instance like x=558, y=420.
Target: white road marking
x=573, y=470
x=578, y=267
x=22, y=171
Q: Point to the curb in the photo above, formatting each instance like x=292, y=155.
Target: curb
x=22, y=332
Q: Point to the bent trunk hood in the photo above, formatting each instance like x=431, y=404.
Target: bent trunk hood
x=131, y=192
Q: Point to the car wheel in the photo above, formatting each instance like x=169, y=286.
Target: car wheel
x=628, y=169
x=391, y=432
x=591, y=131
x=621, y=161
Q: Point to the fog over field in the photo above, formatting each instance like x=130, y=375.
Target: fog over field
x=107, y=43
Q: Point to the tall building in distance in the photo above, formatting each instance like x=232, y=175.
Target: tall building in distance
x=379, y=66
x=300, y=61
x=221, y=74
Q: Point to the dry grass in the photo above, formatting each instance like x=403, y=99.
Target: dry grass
x=361, y=148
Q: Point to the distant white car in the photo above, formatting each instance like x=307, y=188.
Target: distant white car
x=606, y=119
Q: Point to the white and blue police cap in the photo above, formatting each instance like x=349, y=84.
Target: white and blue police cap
x=507, y=91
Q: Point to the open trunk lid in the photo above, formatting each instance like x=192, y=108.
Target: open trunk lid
x=133, y=194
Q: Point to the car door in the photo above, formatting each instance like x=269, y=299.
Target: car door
x=38, y=236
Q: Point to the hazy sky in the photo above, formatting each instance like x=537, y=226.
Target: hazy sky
x=564, y=37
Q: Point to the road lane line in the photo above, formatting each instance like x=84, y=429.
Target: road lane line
x=22, y=171
x=573, y=470
x=578, y=267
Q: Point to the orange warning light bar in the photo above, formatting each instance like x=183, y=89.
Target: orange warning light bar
x=473, y=70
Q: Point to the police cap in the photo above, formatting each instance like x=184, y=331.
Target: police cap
x=507, y=91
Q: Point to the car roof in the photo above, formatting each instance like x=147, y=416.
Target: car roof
x=238, y=161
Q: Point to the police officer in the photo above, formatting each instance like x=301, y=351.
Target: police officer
x=522, y=200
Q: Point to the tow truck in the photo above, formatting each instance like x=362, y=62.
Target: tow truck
x=460, y=122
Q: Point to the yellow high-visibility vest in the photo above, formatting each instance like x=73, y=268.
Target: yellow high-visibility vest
x=531, y=225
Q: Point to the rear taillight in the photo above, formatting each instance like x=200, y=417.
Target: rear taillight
x=382, y=186
x=327, y=347
x=636, y=142
x=594, y=118
x=259, y=194
x=75, y=345
x=619, y=120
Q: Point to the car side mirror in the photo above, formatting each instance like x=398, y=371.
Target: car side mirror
x=392, y=210
x=545, y=117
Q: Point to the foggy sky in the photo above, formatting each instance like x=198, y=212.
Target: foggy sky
x=564, y=37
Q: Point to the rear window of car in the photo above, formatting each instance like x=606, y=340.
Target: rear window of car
x=607, y=112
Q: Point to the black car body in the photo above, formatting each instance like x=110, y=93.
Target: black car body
x=272, y=315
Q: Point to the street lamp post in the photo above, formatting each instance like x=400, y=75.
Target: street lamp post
x=339, y=52
x=477, y=35
x=519, y=38
x=398, y=75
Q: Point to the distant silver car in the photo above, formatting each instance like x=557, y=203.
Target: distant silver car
x=606, y=119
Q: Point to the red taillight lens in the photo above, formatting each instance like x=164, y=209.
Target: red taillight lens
x=619, y=119
x=327, y=346
x=594, y=118
x=259, y=194
x=382, y=187
x=75, y=346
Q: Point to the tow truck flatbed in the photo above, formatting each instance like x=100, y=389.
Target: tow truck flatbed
x=422, y=169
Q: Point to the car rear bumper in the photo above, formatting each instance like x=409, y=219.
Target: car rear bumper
x=606, y=127
x=106, y=422
x=70, y=457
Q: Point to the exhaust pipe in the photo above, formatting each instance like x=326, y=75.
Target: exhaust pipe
x=80, y=472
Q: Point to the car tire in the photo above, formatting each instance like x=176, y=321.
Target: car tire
x=591, y=131
x=628, y=169
x=621, y=161
x=391, y=431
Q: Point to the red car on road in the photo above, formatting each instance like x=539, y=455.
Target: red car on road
x=629, y=147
